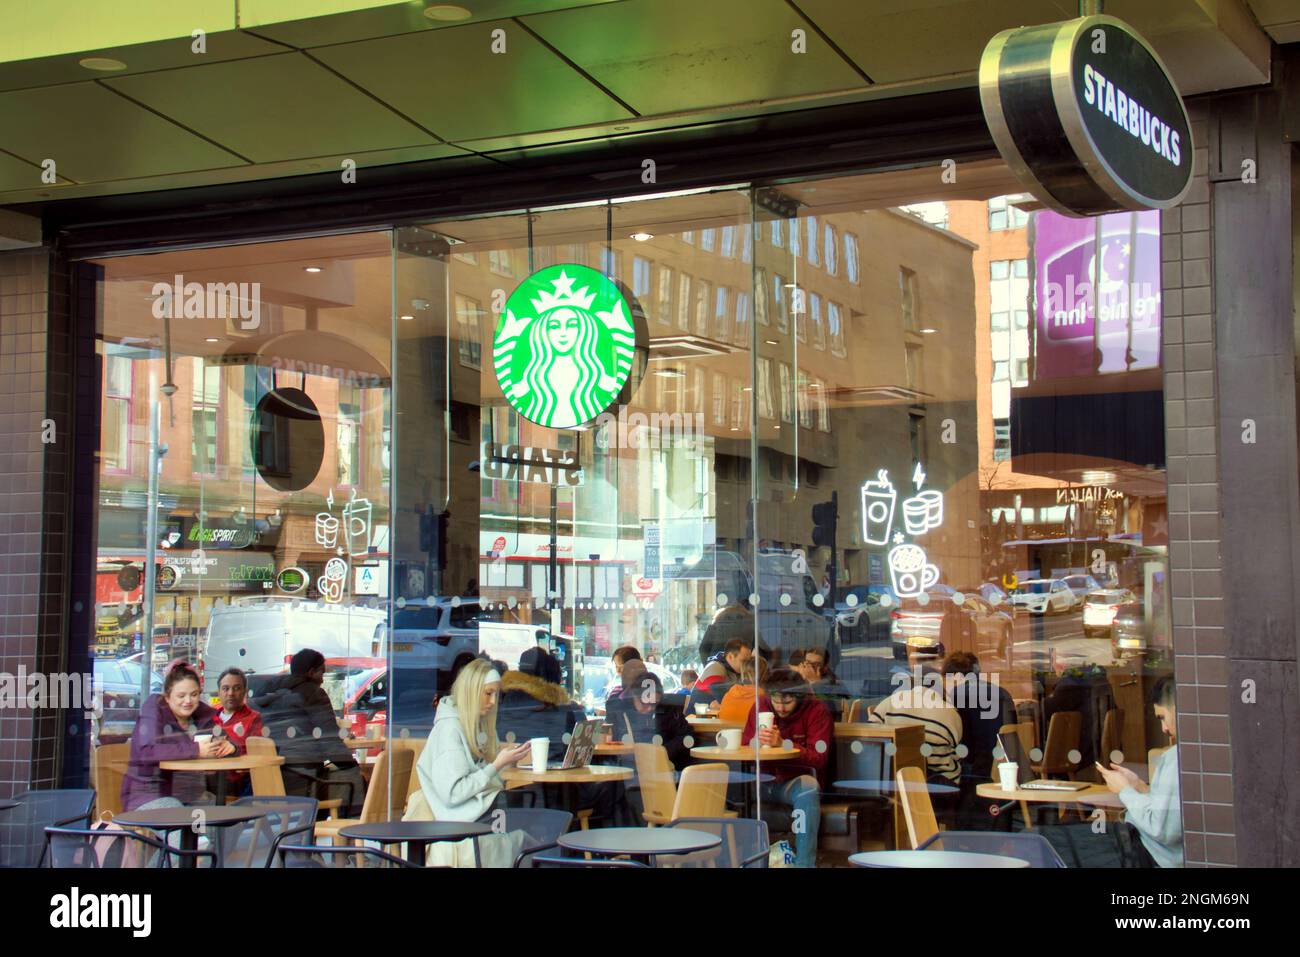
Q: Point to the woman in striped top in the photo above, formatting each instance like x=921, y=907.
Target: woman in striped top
x=942, y=726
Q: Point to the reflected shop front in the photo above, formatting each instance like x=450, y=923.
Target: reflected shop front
x=901, y=442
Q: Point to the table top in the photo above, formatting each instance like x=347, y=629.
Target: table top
x=238, y=762
x=871, y=729
x=933, y=859
x=891, y=786
x=606, y=748
x=591, y=773
x=174, y=817
x=414, y=831
x=356, y=744
x=713, y=752
x=1097, y=794
x=639, y=840
x=712, y=723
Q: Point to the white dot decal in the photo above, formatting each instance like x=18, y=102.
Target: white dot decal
x=1117, y=757
x=566, y=737
x=787, y=744
x=958, y=598
x=885, y=600
x=818, y=600
x=722, y=599
x=962, y=751
x=753, y=598
x=785, y=600
x=851, y=600
x=291, y=732
x=627, y=739
x=1074, y=757
x=401, y=603
x=315, y=733
x=657, y=739
x=890, y=747
x=1036, y=754
x=510, y=737
x=923, y=599
x=856, y=747
x=688, y=741
x=820, y=747
x=926, y=750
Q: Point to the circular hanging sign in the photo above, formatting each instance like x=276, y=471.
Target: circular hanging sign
x=564, y=346
x=1087, y=116
x=292, y=580
x=168, y=576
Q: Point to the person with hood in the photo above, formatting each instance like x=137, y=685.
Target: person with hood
x=165, y=731
x=806, y=722
x=534, y=704
x=721, y=672
x=299, y=717
x=643, y=711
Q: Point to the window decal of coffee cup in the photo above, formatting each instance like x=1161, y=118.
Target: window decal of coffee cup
x=327, y=530
x=910, y=571
x=878, y=501
x=923, y=511
x=331, y=580
x=356, y=524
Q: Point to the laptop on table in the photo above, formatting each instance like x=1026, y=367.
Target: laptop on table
x=1025, y=774
x=581, y=750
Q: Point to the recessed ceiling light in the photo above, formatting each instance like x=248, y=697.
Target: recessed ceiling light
x=447, y=11
x=408, y=317
x=642, y=237
x=771, y=342
x=102, y=64
x=311, y=268
x=928, y=331
x=211, y=339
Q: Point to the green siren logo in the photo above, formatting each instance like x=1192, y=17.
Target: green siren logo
x=562, y=355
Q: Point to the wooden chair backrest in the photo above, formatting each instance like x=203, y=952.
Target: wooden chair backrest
x=267, y=780
x=1112, y=734
x=382, y=803
x=701, y=792
x=1062, y=738
x=655, y=775
x=918, y=811
x=853, y=711
x=416, y=747
x=1009, y=729
x=107, y=769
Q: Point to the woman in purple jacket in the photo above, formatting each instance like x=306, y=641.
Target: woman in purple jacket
x=165, y=731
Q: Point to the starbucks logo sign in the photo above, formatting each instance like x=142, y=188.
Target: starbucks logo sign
x=564, y=346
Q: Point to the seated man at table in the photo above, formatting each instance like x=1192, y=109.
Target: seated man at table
x=300, y=718
x=984, y=707
x=720, y=673
x=533, y=703
x=813, y=668
x=919, y=697
x=618, y=661
x=807, y=724
x=238, y=721
x=642, y=710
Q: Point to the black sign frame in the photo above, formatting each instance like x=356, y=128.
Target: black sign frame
x=1030, y=90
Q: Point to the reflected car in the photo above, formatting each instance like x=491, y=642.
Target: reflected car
x=1099, y=609
x=1080, y=586
x=1131, y=633
x=119, y=682
x=974, y=626
x=860, y=616
x=1042, y=596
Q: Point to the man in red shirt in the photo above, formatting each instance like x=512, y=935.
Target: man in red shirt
x=807, y=724
x=238, y=721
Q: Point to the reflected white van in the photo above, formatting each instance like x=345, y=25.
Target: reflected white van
x=258, y=635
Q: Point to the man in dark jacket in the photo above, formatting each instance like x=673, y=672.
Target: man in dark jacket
x=534, y=704
x=984, y=707
x=299, y=716
x=643, y=712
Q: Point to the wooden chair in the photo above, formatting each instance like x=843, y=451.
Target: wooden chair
x=918, y=810
x=658, y=789
x=1112, y=735
x=381, y=803
x=853, y=710
x=701, y=792
x=268, y=781
x=416, y=747
x=107, y=769
x=1062, y=738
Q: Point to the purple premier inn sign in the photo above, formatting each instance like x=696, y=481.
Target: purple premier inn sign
x=1097, y=294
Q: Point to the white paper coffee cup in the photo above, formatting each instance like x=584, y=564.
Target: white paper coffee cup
x=766, y=719
x=202, y=738
x=1008, y=775
x=541, y=749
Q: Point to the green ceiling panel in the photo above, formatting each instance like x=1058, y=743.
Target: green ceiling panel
x=273, y=108
x=314, y=23
x=17, y=174
x=95, y=135
x=141, y=58
x=663, y=56
x=897, y=40
x=44, y=28
x=451, y=82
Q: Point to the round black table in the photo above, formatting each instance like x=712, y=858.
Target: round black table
x=189, y=822
x=642, y=843
x=933, y=859
x=416, y=835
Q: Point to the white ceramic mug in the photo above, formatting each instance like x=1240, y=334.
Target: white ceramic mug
x=729, y=739
x=701, y=710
